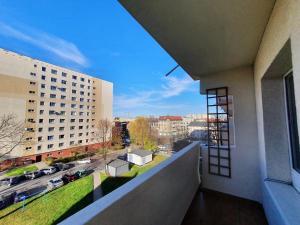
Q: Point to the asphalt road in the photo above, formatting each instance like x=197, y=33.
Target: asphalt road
x=40, y=184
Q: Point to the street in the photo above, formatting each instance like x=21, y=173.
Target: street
x=40, y=184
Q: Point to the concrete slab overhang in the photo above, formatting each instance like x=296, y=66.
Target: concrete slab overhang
x=205, y=36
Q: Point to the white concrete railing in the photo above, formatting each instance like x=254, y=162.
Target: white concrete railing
x=160, y=196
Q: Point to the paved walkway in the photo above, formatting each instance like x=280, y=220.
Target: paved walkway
x=97, y=186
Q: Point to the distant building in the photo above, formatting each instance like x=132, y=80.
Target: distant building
x=117, y=167
x=197, y=129
x=59, y=106
x=139, y=157
x=171, y=126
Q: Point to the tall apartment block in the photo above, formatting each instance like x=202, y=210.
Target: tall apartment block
x=60, y=107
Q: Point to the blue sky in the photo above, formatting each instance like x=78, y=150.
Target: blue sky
x=101, y=39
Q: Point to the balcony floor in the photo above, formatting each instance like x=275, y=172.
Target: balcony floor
x=213, y=208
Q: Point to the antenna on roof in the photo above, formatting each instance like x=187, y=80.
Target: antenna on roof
x=172, y=70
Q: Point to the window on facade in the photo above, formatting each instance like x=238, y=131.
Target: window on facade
x=53, y=71
x=72, y=127
x=72, y=120
x=43, y=77
x=39, y=147
x=32, y=83
x=50, y=129
x=52, y=112
x=51, y=137
x=33, y=74
x=61, y=128
x=73, y=106
x=63, y=89
x=63, y=97
x=73, y=91
x=52, y=95
x=61, y=136
x=82, y=93
x=72, y=135
x=73, y=98
x=43, y=85
x=60, y=145
x=292, y=121
x=80, y=127
x=63, y=82
x=72, y=142
x=51, y=120
x=43, y=69
x=62, y=104
x=31, y=92
x=49, y=147
x=41, y=112
x=73, y=84
x=64, y=74
x=40, y=129
x=40, y=138
x=62, y=120
x=53, y=88
x=80, y=142
x=31, y=101
x=81, y=85
x=52, y=104
x=74, y=77
x=82, y=79
x=53, y=79
x=73, y=113
x=41, y=120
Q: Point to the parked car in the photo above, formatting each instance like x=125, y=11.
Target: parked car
x=67, y=178
x=61, y=166
x=12, y=180
x=49, y=170
x=33, y=175
x=80, y=173
x=123, y=157
x=55, y=183
x=6, y=200
x=21, y=196
x=84, y=161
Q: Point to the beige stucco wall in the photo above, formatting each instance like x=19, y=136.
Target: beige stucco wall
x=284, y=23
x=244, y=155
x=16, y=73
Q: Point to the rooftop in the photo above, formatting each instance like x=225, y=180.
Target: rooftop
x=141, y=152
x=117, y=163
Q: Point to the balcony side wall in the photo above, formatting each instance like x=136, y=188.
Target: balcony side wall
x=159, y=196
x=244, y=155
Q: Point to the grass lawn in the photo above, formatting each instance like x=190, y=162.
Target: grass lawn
x=52, y=207
x=20, y=170
x=108, y=184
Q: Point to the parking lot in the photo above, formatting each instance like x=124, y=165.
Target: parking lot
x=38, y=185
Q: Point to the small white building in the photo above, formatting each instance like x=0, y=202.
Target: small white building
x=117, y=167
x=139, y=157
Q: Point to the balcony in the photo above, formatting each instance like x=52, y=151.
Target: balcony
x=170, y=194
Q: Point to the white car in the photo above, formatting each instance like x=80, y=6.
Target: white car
x=84, y=161
x=49, y=170
x=55, y=183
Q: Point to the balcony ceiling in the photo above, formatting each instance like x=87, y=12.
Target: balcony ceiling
x=205, y=36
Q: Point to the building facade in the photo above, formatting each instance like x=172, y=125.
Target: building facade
x=60, y=107
x=171, y=126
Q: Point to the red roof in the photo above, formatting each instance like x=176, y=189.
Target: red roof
x=173, y=118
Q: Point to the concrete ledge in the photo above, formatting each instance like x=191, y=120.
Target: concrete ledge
x=160, y=196
x=281, y=203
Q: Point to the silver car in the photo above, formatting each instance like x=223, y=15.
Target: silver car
x=55, y=183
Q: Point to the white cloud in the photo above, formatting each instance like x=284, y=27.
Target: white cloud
x=57, y=46
x=154, y=99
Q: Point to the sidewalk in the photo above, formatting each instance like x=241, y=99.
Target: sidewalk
x=97, y=186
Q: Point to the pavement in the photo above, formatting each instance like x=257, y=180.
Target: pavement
x=97, y=164
x=97, y=186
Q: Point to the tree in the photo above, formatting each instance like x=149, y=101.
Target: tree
x=12, y=134
x=117, y=137
x=142, y=134
x=102, y=135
